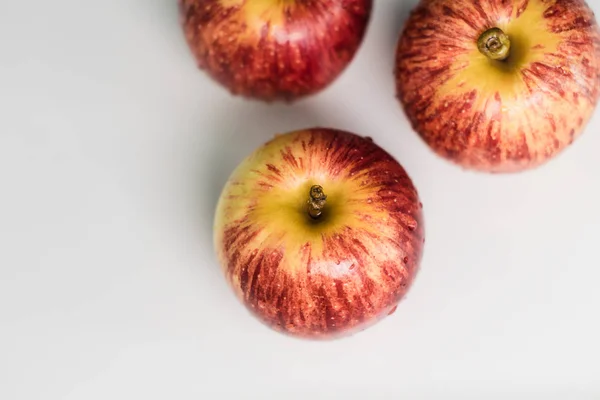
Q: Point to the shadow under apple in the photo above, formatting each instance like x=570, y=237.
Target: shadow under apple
x=396, y=20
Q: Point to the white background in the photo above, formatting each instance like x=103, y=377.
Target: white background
x=113, y=151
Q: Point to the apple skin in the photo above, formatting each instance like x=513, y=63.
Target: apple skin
x=495, y=116
x=325, y=278
x=271, y=49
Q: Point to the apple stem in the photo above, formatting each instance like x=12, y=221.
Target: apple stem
x=494, y=44
x=316, y=202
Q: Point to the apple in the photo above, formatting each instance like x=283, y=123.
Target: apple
x=320, y=233
x=499, y=86
x=274, y=49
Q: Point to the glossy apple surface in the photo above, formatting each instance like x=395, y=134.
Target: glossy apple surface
x=330, y=275
x=274, y=49
x=492, y=114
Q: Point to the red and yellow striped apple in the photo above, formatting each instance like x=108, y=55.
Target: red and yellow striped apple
x=274, y=49
x=499, y=85
x=320, y=233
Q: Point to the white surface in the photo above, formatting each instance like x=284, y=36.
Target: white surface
x=113, y=150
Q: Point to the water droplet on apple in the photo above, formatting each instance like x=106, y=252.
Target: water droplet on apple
x=412, y=224
x=405, y=259
x=392, y=310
